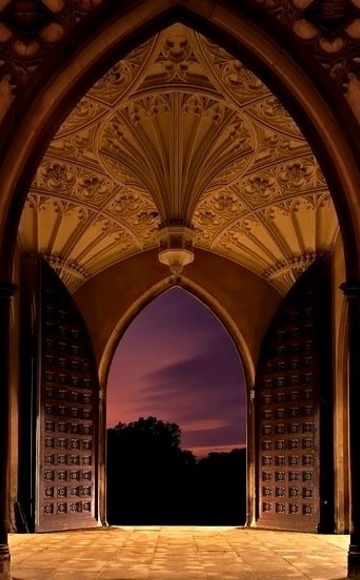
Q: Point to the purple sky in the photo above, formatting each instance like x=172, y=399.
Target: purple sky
x=178, y=363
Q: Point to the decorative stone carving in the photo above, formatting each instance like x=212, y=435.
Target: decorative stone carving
x=28, y=30
x=179, y=130
x=331, y=30
x=176, y=240
x=285, y=274
x=69, y=272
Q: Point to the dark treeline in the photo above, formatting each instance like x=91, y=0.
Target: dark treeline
x=151, y=480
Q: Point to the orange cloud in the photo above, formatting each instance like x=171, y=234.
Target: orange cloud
x=203, y=450
x=204, y=425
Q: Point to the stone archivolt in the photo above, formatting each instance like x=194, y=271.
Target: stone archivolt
x=30, y=28
x=179, y=130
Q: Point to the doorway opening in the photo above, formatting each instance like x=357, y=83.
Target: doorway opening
x=176, y=419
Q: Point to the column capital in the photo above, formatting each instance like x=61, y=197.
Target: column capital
x=351, y=288
x=7, y=289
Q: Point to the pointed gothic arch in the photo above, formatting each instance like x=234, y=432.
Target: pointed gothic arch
x=245, y=360
x=326, y=120
x=205, y=298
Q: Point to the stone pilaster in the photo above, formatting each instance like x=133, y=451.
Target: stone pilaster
x=6, y=292
x=351, y=290
x=102, y=477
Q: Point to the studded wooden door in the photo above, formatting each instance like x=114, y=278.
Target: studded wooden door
x=293, y=409
x=68, y=395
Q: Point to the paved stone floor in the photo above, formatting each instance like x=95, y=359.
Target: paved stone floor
x=178, y=553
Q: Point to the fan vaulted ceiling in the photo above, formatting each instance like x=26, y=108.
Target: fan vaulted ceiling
x=179, y=129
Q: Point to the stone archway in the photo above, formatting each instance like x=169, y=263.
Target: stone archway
x=324, y=118
x=115, y=381
x=224, y=318
x=112, y=299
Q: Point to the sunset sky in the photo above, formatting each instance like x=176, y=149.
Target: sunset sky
x=177, y=362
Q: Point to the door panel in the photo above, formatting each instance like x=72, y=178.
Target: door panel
x=67, y=411
x=293, y=377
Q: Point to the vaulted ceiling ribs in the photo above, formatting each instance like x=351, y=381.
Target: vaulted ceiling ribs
x=179, y=130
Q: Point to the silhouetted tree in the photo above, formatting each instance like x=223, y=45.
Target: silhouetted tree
x=149, y=435
x=145, y=461
x=151, y=480
x=221, y=484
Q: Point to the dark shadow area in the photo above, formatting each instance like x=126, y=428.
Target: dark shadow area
x=151, y=480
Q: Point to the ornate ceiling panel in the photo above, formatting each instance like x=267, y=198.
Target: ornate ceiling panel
x=179, y=130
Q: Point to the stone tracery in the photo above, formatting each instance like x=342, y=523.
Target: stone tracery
x=181, y=130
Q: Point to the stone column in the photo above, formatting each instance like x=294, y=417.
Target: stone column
x=6, y=292
x=102, y=483
x=251, y=462
x=352, y=292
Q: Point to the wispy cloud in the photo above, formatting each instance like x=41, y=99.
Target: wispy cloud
x=176, y=362
x=204, y=425
x=203, y=450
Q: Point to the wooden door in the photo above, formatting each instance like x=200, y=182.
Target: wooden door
x=67, y=410
x=293, y=410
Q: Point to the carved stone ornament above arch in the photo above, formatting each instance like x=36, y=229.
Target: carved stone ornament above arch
x=328, y=29
x=331, y=31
